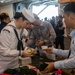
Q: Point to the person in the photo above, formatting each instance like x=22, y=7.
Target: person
x=65, y=30
x=44, y=33
x=5, y=19
x=69, y=18
x=52, y=21
x=11, y=46
x=39, y=36
x=59, y=29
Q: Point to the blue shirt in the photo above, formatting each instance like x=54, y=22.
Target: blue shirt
x=67, y=63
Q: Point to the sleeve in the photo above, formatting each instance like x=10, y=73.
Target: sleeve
x=31, y=39
x=24, y=37
x=63, y=53
x=5, y=44
x=65, y=64
x=52, y=34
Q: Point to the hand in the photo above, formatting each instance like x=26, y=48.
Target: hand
x=29, y=52
x=68, y=35
x=49, y=68
x=49, y=49
x=33, y=51
x=39, y=42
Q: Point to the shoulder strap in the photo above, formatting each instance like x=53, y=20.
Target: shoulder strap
x=16, y=34
x=20, y=44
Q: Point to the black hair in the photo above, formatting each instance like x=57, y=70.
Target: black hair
x=70, y=7
x=3, y=16
x=19, y=15
x=60, y=16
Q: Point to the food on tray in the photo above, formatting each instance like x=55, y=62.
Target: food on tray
x=31, y=51
x=44, y=47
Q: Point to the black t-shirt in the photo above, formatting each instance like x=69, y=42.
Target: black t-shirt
x=59, y=32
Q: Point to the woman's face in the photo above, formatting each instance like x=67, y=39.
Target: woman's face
x=25, y=24
x=7, y=20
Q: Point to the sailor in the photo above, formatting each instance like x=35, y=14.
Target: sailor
x=10, y=40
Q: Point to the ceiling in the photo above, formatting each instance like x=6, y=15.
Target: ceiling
x=4, y=2
x=36, y=2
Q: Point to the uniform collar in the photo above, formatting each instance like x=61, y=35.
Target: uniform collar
x=12, y=23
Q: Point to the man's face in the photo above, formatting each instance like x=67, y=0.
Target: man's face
x=30, y=26
x=68, y=20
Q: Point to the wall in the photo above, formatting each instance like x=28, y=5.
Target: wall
x=8, y=9
x=61, y=6
x=19, y=7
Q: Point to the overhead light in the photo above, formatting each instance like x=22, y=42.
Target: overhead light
x=4, y=1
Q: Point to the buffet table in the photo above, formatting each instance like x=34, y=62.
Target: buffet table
x=37, y=59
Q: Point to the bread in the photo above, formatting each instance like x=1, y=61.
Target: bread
x=44, y=47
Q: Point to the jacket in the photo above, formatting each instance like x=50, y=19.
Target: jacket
x=43, y=32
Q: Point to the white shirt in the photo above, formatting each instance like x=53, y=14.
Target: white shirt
x=8, y=48
x=67, y=63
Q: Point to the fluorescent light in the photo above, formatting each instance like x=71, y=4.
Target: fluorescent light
x=4, y=1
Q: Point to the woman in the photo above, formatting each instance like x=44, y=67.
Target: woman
x=5, y=19
x=9, y=51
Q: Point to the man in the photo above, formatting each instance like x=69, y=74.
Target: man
x=41, y=34
x=52, y=21
x=5, y=19
x=69, y=18
x=11, y=46
x=59, y=29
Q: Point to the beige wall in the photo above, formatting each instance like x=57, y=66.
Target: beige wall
x=8, y=9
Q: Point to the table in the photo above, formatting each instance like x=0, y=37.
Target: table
x=37, y=59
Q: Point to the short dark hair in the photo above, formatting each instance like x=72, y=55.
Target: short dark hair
x=19, y=15
x=60, y=16
x=70, y=7
x=3, y=16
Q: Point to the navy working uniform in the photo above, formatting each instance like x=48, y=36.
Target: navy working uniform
x=44, y=32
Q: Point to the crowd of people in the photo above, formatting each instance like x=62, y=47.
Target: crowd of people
x=28, y=31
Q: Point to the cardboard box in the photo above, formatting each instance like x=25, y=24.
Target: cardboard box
x=26, y=60
x=65, y=1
